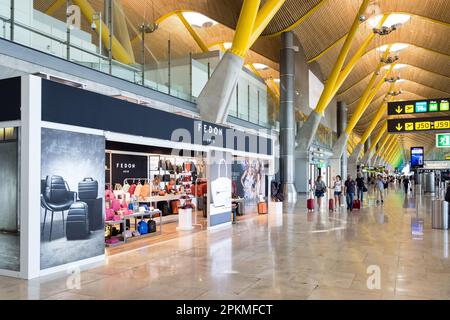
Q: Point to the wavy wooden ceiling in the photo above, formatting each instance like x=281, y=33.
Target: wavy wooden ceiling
x=428, y=53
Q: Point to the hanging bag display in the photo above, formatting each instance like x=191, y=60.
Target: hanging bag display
x=221, y=187
x=88, y=189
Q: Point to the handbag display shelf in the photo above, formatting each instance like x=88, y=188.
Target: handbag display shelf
x=136, y=216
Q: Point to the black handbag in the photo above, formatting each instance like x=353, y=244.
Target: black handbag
x=151, y=226
x=88, y=189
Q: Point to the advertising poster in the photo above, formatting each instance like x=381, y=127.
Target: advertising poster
x=219, y=187
x=72, y=197
x=249, y=179
x=416, y=156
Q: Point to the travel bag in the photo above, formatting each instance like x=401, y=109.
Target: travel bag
x=142, y=227
x=163, y=206
x=88, y=189
x=331, y=204
x=151, y=226
x=356, y=204
x=262, y=207
x=310, y=204
x=77, y=225
x=95, y=213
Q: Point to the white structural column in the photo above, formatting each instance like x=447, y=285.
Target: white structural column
x=287, y=116
x=30, y=180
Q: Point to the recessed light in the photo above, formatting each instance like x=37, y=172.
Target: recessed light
x=394, y=47
x=227, y=45
x=198, y=20
x=393, y=19
x=397, y=66
x=260, y=66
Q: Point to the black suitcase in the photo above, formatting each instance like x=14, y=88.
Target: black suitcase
x=163, y=206
x=95, y=213
x=88, y=189
x=77, y=225
x=151, y=226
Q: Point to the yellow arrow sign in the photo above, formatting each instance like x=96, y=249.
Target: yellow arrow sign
x=399, y=127
x=399, y=109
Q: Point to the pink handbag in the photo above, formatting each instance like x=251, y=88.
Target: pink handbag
x=109, y=195
x=115, y=205
x=109, y=214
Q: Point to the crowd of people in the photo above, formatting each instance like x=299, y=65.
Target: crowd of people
x=353, y=190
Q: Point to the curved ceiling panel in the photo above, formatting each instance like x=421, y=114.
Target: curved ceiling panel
x=427, y=40
x=411, y=73
x=433, y=64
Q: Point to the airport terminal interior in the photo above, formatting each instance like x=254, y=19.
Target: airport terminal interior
x=224, y=150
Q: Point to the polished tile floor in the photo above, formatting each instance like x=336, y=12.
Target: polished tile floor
x=298, y=255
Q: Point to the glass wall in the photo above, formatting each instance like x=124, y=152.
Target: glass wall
x=162, y=56
x=9, y=196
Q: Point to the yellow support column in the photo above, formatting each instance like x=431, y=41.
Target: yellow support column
x=389, y=150
x=118, y=50
x=381, y=111
x=387, y=144
x=194, y=34
x=267, y=12
x=354, y=60
x=366, y=98
x=244, y=27
x=326, y=96
x=377, y=138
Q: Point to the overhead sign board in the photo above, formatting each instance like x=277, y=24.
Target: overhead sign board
x=418, y=106
x=418, y=124
x=443, y=140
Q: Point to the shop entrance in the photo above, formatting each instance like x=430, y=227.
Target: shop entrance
x=152, y=194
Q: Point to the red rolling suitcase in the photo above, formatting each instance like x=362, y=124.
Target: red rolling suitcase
x=356, y=204
x=310, y=204
x=331, y=204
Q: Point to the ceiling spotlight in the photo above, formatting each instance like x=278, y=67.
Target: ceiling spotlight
x=389, y=60
x=384, y=31
x=362, y=18
x=392, y=79
x=395, y=93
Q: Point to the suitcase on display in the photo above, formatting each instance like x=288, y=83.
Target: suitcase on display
x=95, y=213
x=262, y=208
x=163, y=206
x=77, y=225
x=88, y=189
x=356, y=204
x=310, y=204
x=331, y=204
x=151, y=226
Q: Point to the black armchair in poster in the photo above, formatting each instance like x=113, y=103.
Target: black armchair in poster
x=55, y=197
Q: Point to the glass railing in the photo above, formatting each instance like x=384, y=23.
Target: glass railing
x=155, y=58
